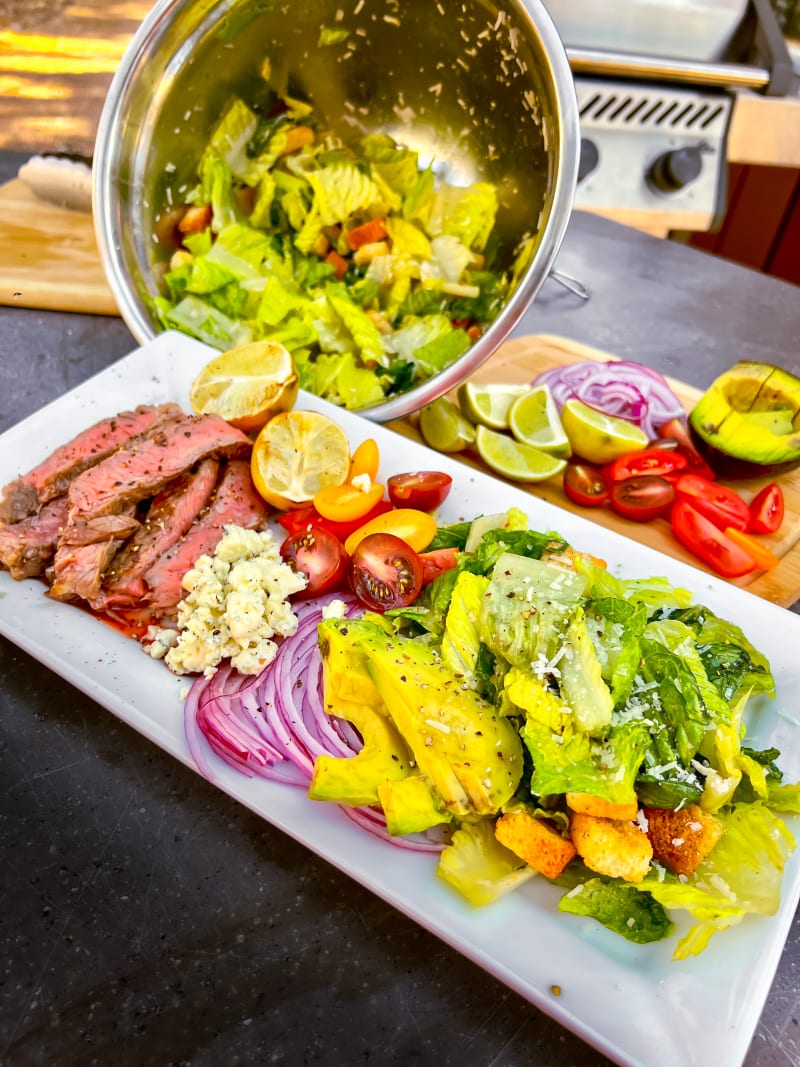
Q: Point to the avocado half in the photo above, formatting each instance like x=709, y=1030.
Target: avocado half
x=747, y=423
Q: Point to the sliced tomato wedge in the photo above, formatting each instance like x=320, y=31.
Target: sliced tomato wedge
x=320, y=556
x=423, y=490
x=710, y=544
x=643, y=498
x=676, y=430
x=416, y=528
x=385, y=572
x=659, y=462
x=723, y=506
x=585, y=485
x=767, y=509
x=308, y=516
x=765, y=559
x=344, y=503
x=437, y=562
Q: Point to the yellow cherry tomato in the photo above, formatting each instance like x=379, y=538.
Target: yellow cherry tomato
x=764, y=557
x=416, y=528
x=365, y=460
x=344, y=503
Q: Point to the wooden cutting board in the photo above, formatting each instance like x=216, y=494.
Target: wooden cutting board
x=50, y=257
x=521, y=359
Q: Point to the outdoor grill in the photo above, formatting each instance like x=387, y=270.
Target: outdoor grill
x=657, y=83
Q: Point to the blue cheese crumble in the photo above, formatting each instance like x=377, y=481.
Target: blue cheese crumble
x=236, y=603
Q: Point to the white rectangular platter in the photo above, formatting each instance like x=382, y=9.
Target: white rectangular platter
x=631, y=1002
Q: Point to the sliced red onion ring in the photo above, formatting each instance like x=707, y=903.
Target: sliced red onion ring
x=621, y=388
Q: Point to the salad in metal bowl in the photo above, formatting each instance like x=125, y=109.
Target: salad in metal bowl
x=373, y=273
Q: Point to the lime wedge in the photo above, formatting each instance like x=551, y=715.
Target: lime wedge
x=534, y=420
x=444, y=428
x=488, y=405
x=599, y=438
x=514, y=459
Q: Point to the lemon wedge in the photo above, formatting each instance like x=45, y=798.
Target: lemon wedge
x=597, y=437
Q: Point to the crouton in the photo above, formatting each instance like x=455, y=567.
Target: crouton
x=682, y=839
x=586, y=804
x=611, y=846
x=535, y=841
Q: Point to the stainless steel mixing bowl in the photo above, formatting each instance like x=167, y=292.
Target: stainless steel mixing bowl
x=480, y=88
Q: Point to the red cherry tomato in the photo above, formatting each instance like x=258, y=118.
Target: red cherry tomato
x=708, y=542
x=437, y=562
x=585, y=485
x=302, y=518
x=652, y=461
x=723, y=506
x=643, y=498
x=385, y=572
x=320, y=556
x=767, y=509
x=423, y=490
x=676, y=430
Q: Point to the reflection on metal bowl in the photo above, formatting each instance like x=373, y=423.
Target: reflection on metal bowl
x=480, y=89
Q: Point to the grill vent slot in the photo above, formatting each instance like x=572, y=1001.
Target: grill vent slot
x=650, y=109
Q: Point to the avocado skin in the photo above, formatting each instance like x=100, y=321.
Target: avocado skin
x=731, y=445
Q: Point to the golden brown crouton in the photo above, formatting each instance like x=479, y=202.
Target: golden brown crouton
x=682, y=839
x=612, y=847
x=535, y=841
x=586, y=804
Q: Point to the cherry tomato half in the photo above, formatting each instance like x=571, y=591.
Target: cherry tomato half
x=723, y=506
x=708, y=542
x=643, y=498
x=344, y=503
x=423, y=490
x=320, y=556
x=365, y=460
x=652, y=461
x=437, y=562
x=306, y=516
x=585, y=485
x=416, y=528
x=767, y=509
x=385, y=572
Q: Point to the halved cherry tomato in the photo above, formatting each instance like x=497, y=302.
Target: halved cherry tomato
x=676, y=430
x=343, y=503
x=708, y=542
x=365, y=460
x=423, y=490
x=723, y=506
x=655, y=461
x=320, y=556
x=307, y=516
x=385, y=572
x=585, y=485
x=643, y=498
x=767, y=510
x=416, y=528
x=764, y=558
x=437, y=562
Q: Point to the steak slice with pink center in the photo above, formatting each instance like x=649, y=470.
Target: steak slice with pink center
x=26, y=547
x=79, y=565
x=150, y=463
x=50, y=479
x=170, y=515
x=236, y=502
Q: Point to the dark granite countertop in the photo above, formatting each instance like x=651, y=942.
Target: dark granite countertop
x=149, y=919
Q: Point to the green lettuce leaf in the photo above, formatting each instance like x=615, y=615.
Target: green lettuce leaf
x=620, y=907
x=466, y=213
x=479, y=867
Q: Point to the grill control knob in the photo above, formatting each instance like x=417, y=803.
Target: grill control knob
x=676, y=169
x=589, y=158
